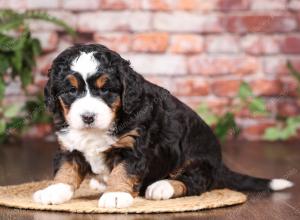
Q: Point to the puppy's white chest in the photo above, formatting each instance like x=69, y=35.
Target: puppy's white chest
x=91, y=143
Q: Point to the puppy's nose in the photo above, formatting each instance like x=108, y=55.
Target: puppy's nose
x=88, y=118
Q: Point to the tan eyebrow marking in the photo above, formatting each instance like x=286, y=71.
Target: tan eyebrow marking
x=101, y=81
x=73, y=80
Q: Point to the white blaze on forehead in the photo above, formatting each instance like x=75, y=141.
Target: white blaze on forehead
x=85, y=64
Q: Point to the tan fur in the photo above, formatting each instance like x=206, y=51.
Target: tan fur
x=126, y=140
x=68, y=173
x=179, y=188
x=179, y=170
x=101, y=81
x=120, y=181
x=73, y=80
x=64, y=107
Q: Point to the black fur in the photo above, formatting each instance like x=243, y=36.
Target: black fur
x=171, y=135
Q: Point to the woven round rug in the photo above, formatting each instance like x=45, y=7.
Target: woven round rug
x=86, y=200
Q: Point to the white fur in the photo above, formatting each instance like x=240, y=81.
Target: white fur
x=280, y=184
x=115, y=200
x=85, y=64
x=54, y=194
x=96, y=185
x=160, y=190
x=91, y=105
x=91, y=142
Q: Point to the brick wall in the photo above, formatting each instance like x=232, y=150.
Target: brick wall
x=200, y=50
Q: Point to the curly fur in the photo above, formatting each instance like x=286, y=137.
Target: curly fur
x=173, y=141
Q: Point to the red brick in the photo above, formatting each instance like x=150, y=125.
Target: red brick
x=291, y=45
x=261, y=23
x=264, y=5
x=187, y=22
x=267, y=87
x=222, y=44
x=166, y=64
x=190, y=86
x=223, y=65
x=258, y=45
x=288, y=108
x=186, y=43
x=157, y=5
x=113, y=21
x=256, y=131
x=119, y=42
x=171, y=5
x=79, y=5
x=216, y=104
x=150, y=42
x=225, y=87
x=48, y=40
x=38, y=131
x=163, y=81
x=120, y=4
x=196, y=5
x=44, y=62
x=227, y=5
x=290, y=86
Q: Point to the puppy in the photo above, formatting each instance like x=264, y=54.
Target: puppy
x=139, y=138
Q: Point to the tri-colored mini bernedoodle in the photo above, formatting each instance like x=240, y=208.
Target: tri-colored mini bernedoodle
x=135, y=136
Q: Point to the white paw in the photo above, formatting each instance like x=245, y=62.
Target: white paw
x=115, y=200
x=159, y=190
x=54, y=194
x=96, y=185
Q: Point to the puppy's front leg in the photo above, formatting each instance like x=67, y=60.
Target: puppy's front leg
x=120, y=189
x=67, y=179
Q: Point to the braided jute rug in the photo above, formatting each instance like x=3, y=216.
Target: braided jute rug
x=86, y=200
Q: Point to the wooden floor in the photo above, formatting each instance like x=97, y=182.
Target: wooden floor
x=32, y=162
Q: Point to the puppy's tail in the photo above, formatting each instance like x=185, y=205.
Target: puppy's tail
x=236, y=181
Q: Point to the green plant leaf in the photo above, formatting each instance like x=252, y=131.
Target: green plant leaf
x=273, y=134
x=258, y=105
x=4, y=64
x=17, y=123
x=245, y=91
x=2, y=126
x=26, y=77
x=46, y=17
x=293, y=71
x=225, y=126
x=209, y=117
x=2, y=87
x=12, y=110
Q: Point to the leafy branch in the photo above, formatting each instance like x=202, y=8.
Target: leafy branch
x=225, y=125
x=18, y=53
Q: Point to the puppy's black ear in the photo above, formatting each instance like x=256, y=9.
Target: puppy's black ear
x=48, y=94
x=132, y=88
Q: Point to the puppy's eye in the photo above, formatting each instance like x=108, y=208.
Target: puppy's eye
x=104, y=91
x=72, y=90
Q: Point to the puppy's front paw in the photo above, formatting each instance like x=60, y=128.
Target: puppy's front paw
x=115, y=200
x=54, y=194
x=160, y=190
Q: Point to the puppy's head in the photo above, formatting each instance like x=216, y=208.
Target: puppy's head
x=89, y=85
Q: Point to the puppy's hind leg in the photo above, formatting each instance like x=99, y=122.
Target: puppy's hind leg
x=165, y=189
x=193, y=178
